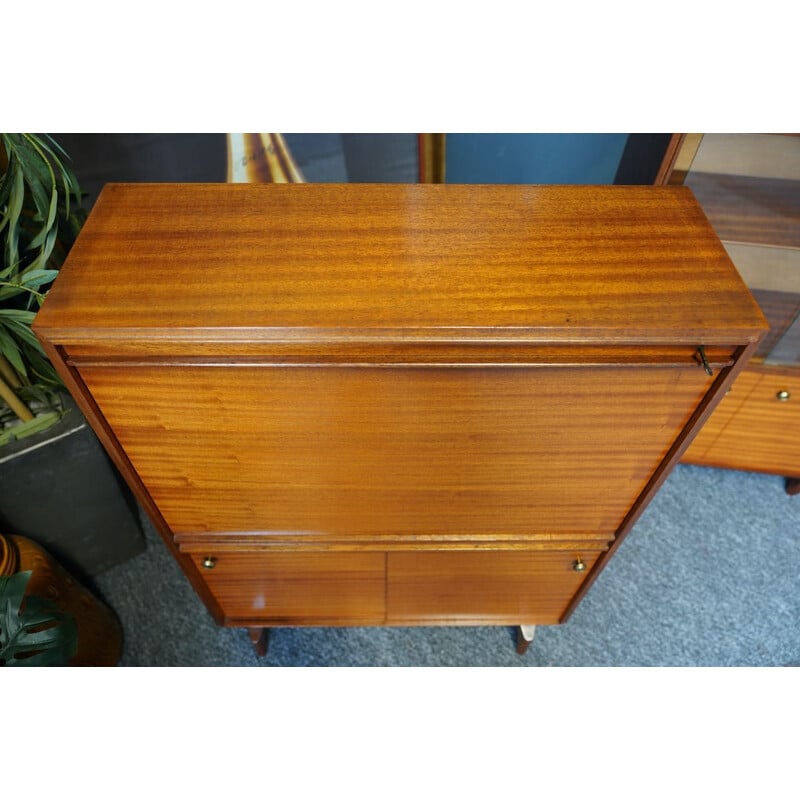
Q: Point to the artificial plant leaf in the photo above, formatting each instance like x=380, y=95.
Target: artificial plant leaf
x=28, y=281
x=10, y=349
x=10, y=290
x=56, y=165
x=39, y=220
x=29, y=352
x=40, y=237
x=44, y=396
x=6, y=272
x=40, y=369
x=18, y=314
x=41, y=143
x=23, y=331
x=33, y=631
x=51, y=145
x=68, y=180
x=5, y=190
x=38, y=181
x=24, y=335
x=34, y=278
x=41, y=422
x=12, y=214
x=43, y=255
x=13, y=588
x=4, y=141
x=65, y=182
x=38, y=613
x=39, y=173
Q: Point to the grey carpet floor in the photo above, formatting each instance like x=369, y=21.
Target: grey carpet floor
x=710, y=576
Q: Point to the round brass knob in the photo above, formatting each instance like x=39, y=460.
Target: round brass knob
x=578, y=565
x=209, y=562
x=783, y=395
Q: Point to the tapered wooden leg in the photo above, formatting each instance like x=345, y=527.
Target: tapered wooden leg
x=793, y=486
x=260, y=639
x=524, y=638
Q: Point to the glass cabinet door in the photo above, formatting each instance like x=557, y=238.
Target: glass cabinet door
x=749, y=187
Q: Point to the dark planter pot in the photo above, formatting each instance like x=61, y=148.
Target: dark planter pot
x=99, y=641
x=60, y=489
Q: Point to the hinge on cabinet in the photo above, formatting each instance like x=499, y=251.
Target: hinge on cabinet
x=706, y=366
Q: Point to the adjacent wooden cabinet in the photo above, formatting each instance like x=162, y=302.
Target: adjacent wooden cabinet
x=749, y=187
x=396, y=405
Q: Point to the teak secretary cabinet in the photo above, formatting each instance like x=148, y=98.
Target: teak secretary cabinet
x=396, y=404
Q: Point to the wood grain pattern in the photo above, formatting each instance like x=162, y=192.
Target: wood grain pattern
x=751, y=429
x=396, y=451
x=108, y=439
x=481, y=588
x=305, y=262
x=473, y=385
x=256, y=588
x=394, y=354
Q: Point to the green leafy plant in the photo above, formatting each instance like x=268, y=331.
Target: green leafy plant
x=33, y=631
x=40, y=216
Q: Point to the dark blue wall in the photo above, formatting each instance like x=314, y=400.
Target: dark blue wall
x=589, y=158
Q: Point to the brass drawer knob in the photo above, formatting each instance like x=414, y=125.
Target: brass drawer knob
x=578, y=565
x=783, y=395
x=209, y=562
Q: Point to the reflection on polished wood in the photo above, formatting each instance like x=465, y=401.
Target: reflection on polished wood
x=786, y=351
x=782, y=310
x=748, y=209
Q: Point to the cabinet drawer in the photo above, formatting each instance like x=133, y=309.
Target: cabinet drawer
x=755, y=427
x=255, y=587
x=479, y=588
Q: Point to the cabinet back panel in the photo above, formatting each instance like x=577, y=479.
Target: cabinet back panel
x=390, y=451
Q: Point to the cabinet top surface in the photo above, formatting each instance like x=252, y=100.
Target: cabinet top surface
x=300, y=261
